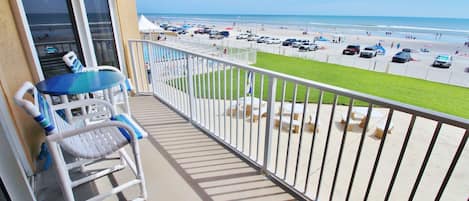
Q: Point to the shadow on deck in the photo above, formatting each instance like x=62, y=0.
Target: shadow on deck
x=183, y=163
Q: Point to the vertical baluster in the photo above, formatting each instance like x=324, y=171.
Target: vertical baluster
x=378, y=155
x=184, y=83
x=329, y=129
x=272, y=92
x=237, y=110
x=284, y=86
x=198, y=94
x=252, y=88
x=425, y=160
x=292, y=114
x=311, y=150
x=208, y=97
x=205, y=95
x=341, y=149
x=219, y=100
x=224, y=103
x=231, y=104
x=303, y=117
x=213, y=100
x=261, y=92
x=452, y=166
x=401, y=156
x=244, y=108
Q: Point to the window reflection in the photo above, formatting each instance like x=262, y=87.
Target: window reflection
x=99, y=19
x=54, y=33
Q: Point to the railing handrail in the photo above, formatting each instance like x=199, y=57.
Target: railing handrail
x=419, y=111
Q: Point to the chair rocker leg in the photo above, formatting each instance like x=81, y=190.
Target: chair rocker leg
x=62, y=171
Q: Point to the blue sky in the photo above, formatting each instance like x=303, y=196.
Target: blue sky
x=418, y=8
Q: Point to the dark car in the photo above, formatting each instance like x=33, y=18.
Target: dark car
x=401, y=57
x=288, y=42
x=215, y=35
x=351, y=50
x=224, y=33
x=407, y=50
x=204, y=30
x=164, y=26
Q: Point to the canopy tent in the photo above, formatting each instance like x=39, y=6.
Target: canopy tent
x=145, y=26
x=321, y=38
x=380, y=50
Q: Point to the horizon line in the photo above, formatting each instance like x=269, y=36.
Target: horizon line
x=286, y=14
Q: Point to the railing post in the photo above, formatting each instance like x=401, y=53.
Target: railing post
x=272, y=91
x=190, y=89
x=134, y=73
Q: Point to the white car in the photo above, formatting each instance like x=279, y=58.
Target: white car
x=298, y=43
x=253, y=38
x=308, y=47
x=242, y=36
x=273, y=41
x=443, y=61
x=369, y=52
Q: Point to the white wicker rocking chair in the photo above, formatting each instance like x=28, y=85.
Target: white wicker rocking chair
x=91, y=143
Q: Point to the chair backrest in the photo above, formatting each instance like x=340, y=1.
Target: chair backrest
x=73, y=62
x=39, y=110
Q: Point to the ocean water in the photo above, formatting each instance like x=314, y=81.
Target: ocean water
x=451, y=29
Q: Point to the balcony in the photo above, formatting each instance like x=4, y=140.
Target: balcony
x=209, y=142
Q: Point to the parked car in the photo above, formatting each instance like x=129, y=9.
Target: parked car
x=242, y=36
x=407, y=50
x=226, y=34
x=443, y=61
x=253, y=37
x=308, y=47
x=369, y=52
x=171, y=28
x=180, y=30
x=273, y=41
x=298, y=43
x=216, y=36
x=401, y=57
x=351, y=50
x=288, y=42
x=164, y=26
x=262, y=39
x=204, y=30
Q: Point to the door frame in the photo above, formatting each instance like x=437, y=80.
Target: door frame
x=14, y=178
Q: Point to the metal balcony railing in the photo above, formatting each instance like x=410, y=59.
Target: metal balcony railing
x=318, y=141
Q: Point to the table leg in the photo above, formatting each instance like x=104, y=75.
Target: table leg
x=126, y=98
x=111, y=98
x=68, y=112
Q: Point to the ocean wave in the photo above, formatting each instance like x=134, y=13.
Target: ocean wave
x=392, y=27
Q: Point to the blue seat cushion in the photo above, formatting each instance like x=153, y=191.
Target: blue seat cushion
x=130, y=122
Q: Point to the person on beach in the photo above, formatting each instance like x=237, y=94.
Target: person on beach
x=392, y=44
x=398, y=45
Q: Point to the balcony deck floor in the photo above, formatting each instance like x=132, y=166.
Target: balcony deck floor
x=182, y=163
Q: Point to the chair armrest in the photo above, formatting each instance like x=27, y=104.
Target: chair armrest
x=110, y=68
x=70, y=133
x=82, y=103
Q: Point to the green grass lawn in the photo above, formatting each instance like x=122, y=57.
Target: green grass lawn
x=435, y=96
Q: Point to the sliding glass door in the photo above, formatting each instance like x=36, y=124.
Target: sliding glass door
x=82, y=26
